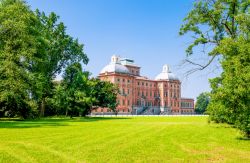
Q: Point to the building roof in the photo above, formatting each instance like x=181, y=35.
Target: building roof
x=166, y=74
x=115, y=66
x=128, y=62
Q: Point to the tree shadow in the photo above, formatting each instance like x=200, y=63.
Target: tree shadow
x=51, y=122
x=242, y=138
x=29, y=124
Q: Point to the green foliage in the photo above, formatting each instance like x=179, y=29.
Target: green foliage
x=75, y=86
x=61, y=50
x=202, y=102
x=226, y=25
x=78, y=95
x=232, y=92
x=34, y=48
x=19, y=44
x=213, y=20
x=105, y=94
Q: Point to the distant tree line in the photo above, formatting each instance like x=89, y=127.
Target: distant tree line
x=223, y=28
x=34, y=49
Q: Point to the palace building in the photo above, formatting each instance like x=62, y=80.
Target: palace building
x=141, y=95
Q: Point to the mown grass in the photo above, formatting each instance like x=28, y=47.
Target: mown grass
x=133, y=139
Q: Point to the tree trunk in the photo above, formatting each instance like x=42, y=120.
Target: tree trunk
x=66, y=114
x=42, y=108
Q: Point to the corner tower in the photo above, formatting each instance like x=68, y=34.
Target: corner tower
x=169, y=90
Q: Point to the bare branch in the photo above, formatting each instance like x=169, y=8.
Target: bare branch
x=200, y=67
x=196, y=66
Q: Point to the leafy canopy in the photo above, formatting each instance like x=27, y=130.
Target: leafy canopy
x=225, y=24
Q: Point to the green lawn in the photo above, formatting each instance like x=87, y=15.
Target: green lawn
x=140, y=139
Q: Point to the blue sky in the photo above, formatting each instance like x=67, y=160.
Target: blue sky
x=143, y=30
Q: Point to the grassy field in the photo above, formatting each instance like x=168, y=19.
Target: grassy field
x=140, y=139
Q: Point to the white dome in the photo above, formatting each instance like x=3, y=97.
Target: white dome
x=115, y=66
x=166, y=74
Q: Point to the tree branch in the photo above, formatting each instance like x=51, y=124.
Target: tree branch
x=201, y=67
x=198, y=67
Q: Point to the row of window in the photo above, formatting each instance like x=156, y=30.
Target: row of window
x=187, y=111
x=135, y=72
x=122, y=102
x=172, y=104
x=186, y=104
x=150, y=84
x=123, y=80
x=146, y=84
x=146, y=94
x=142, y=93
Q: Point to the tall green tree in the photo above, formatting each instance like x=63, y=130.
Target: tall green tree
x=202, y=103
x=75, y=86
x=224, y=25
x=105, y=94
x=79, y=95
x=34, y=49
x=61, y=50
x=231, y=91
x=20, y=45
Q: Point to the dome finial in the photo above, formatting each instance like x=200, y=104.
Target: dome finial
x=115, y=59
x=166, y=68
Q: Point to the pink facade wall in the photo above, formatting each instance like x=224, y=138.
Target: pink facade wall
x=135, y=90
x=139, y=91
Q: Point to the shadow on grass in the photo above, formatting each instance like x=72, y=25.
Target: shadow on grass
x=50, y=122
x=243, y=138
